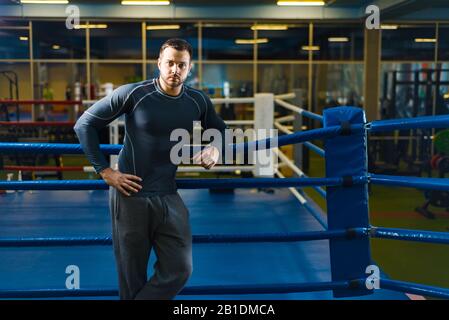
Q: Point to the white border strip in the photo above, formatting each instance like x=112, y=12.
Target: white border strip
x=289, y=106
x=285, y=96
x=282, y=128
x=295, y=192
x=233, y=100
x=285, y=119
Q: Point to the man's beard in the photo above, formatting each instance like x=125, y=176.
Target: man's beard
x=173, y=84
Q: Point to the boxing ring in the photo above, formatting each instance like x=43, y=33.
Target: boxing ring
x=247, y=244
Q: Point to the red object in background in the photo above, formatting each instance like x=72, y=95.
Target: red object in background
x=37, y=123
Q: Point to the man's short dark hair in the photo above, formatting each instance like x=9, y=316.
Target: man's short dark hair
x=178, y=44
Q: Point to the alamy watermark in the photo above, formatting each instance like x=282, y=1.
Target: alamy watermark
x=373, y=280
x=73, y=279
x=373, y=20
x=73, y=17
x=236, y=142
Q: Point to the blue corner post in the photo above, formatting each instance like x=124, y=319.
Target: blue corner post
x=347, y=206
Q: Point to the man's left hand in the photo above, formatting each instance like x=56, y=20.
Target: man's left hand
x=207, y=158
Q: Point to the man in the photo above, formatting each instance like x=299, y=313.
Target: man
x=147, y=212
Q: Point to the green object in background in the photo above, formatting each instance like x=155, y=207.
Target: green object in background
x=441, y=141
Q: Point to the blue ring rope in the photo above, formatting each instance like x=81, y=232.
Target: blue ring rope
x=312, y=115
x=66, y=148
x=414, y=288
x=197, y=239
x=410, y=235
x=427, y=122
x=182, y=183
x=388, y=284
x=315, y=148
x=193, y=290
x=410, y=182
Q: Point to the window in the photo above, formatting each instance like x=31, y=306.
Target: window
x=52, y=40
x=409, y=42
x=338, y=42
x=220, y=42
x=158, y=33
x=282, y=44
x=115, y=40
x=116, y=73
x=14, y=44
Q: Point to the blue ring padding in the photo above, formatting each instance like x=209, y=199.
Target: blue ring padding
x=414, y=288
x=315, y=148
x=193, y=290
x=410, y=182
x=410, y=235
x=312, y=115
x=182, y=183
x=197, y=239
x=427, y=122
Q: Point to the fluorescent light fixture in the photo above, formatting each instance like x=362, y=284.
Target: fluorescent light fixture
x=225, y=25
x=91, y=26
x=251, y=41
x=164, y=27
x=338, y=39
x=301, y=3
x=425, y=40
x=389, y=26
x=270, y=27
x=23, y=38
x=145, y=3
x=55, y=47
x=44, y=1
x=310, y=48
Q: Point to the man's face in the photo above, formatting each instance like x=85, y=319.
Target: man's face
x=174, y=66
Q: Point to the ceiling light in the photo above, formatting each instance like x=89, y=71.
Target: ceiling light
x=425, y=40
x=91, y=26
x=389, y=26
x=145, y=3
x=301, y=3
x=44, y=1
x=251, y=41
x=338, y=39
x=23, y=38
x=164, y=27
x=310, y=48
x=270, y=27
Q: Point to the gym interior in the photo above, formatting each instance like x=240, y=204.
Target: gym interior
x=389, y=58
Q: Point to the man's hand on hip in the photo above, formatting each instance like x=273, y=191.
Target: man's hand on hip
x=125, y=183
x=207, y=158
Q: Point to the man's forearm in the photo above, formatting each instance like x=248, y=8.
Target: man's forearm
x=90, y=143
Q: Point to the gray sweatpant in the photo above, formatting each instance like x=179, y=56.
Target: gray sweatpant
x=140, y=224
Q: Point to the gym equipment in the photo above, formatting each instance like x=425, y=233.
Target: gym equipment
x=440, y=162
x=406, y=94
x=13, y=82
